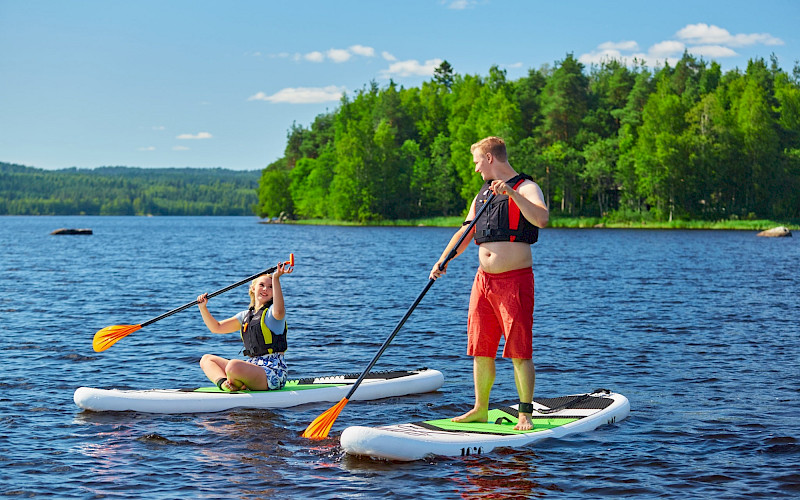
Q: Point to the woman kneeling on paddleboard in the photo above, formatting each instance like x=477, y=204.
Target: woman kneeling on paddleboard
x=263, y=330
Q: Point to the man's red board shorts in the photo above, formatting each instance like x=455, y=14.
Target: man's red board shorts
x=501, y=304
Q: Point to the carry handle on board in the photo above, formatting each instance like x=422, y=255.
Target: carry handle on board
x=321, y=426
x=109, y=335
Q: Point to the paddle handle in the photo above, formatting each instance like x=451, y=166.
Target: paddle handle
x=218, y=292
x=431, y=281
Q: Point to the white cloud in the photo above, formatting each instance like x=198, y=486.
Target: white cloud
x=666, y=48
x=302, y=95
x=712, y=51
x=617, y=46
x=148, y=148
x=315, y=56
x=700, y=39
x=335, y=55
x=339, y=55
x=460, y=4
x=361, y=50
x=607, y=51
x=388, y=56
x=199, y=135
x=704, y=34
x=412, y=67
x=600, y=56
x=159, y=127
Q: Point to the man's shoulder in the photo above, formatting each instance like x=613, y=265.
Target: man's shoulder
x=528, y=183
x=530, y=190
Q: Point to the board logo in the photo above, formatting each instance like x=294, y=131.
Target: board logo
x=471, y=450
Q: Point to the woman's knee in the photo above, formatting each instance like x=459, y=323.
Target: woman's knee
x=234, y=366
x=209, y=360
x=206, y=359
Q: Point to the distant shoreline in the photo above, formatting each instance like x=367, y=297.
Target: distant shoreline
x=570, y=223
x=454, y=222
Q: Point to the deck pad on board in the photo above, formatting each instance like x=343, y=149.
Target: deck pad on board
x=375, y=385
x=552, y=417
x=548, y=413
x=306, y=383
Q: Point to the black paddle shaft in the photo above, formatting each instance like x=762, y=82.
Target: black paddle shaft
x=212, y=294
x=450, y=256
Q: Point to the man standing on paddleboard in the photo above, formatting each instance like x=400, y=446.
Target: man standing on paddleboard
x=502, y=296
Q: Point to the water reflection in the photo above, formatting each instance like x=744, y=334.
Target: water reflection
x=108, y=451
x=636, y=311
x=512, y=475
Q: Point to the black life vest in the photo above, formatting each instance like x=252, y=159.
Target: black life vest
x=502, y=220
x=258, y=338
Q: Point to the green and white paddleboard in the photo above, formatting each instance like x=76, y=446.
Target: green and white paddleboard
x=296, y=392
x=552, y=417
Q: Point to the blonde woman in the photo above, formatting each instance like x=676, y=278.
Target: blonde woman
x=263, y=329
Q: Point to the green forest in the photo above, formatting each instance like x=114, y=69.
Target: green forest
x=126, y=191
x=682, y=142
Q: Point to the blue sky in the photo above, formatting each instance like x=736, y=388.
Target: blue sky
x=175, y=83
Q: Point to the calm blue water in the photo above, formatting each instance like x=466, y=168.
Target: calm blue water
x=698, y=329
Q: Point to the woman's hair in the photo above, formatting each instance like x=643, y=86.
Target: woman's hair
x=253, y=294
x=494, y=145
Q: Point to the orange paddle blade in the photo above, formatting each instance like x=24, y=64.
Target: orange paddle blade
x=109, y=335
x=321, y=426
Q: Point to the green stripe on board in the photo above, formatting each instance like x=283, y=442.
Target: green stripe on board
x=292, y=385
x=506, y=427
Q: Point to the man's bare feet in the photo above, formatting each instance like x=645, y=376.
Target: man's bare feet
x=523, y=423
x=474, y=415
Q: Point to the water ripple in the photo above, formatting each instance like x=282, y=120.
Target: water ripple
x=698, y=328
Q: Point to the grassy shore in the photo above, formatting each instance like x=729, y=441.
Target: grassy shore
x=741, y=225
x=576, y=223
x=430, y=221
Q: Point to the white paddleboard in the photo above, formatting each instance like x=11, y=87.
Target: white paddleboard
x=296, y=392
x=552, y=417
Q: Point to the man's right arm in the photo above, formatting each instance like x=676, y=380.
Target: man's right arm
x=436, y=272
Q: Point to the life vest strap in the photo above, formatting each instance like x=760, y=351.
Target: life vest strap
x=514, y=214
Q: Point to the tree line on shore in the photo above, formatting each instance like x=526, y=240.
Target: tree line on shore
x=127, y=191
x=687, y=141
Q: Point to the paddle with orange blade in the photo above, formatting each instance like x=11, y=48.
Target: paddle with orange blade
x=109, y=335
x=321, y=426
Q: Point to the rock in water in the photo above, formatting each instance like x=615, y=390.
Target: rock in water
x=776, y=232
x=64, y=230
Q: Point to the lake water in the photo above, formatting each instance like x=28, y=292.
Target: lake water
x=699, y=329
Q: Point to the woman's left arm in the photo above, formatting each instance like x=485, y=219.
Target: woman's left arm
x=278, y=306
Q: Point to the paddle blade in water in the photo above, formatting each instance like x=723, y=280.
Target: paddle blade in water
x=109, y=335
x=321, y=426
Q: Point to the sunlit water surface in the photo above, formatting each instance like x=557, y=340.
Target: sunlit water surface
x=699, y=329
